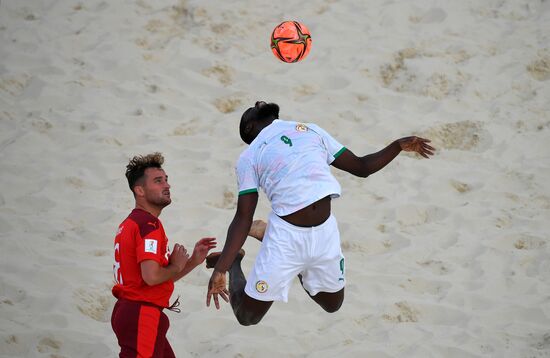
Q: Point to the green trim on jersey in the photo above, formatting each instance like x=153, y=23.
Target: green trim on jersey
x=248, y=191
x=339, y=152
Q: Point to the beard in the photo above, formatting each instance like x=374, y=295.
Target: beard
x=160, y=200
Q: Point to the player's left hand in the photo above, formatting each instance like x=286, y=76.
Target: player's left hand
x=417, y=144
x=201, y=249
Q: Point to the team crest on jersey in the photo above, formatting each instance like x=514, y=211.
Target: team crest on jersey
x=261, y=286
x=301, y=127
x=151, y=246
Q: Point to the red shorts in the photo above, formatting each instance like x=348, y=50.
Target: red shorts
x=141, y=328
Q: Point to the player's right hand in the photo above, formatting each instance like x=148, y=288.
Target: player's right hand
x=179, y=256
x=217, y=286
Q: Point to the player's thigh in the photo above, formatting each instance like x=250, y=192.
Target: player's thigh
x=326, y=271
x=124, y=321
x=168, y=351
x=271, y=278
x=280, y=259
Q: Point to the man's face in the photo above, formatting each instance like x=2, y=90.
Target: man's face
x=156, y=187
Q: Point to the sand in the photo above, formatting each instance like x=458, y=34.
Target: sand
x=447, y=257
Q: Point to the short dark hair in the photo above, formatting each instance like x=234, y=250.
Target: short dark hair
x=135, y=170
x=269, y=111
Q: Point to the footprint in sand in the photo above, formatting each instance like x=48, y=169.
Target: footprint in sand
x=389, y=72
x=228, y=201
x=101, y=253
x=528, y=242
x=539, y=68
x=176, y=21
x=369, y=248
x=414, y=215
x=436, y=266
x=94, y=302
x=223, y=73
x=410, y=215
x=14, y=345
x=11, y=295
x=460, y=187
x=42, y=125
x=405, y=313
x=464, y=135
x=187, y=129
x=14, y=85
x=540, y=342
x=58, y=236
x=75, y=182
x=304, y=90
x=410, y=72
x=48, y=345
x=228, y=104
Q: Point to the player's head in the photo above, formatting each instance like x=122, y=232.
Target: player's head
x=256, y=118
x=147, y=179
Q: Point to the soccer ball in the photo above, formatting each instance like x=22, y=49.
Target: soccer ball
x=290, y=41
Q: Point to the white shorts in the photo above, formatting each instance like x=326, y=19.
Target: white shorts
x=289, y=250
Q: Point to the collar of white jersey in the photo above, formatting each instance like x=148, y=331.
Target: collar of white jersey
x=265, y=131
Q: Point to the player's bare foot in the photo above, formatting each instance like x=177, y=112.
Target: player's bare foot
x=257, y=229
x=212, y=259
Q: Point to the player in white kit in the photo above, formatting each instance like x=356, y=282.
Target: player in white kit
x=291, y=162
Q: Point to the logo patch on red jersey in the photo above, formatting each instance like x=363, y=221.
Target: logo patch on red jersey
x=151, y=246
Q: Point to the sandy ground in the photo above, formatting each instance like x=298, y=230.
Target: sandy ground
x=447, y=257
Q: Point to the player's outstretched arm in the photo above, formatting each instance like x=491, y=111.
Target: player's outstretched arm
x=371, y=163
x=236, y=236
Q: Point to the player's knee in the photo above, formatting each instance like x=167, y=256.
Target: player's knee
x=248, y=319
x=333, y=307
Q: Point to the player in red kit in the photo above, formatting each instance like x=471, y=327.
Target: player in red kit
x=145, y=270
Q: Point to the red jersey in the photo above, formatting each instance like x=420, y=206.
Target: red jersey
x=140, y=237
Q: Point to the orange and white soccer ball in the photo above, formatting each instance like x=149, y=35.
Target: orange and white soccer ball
x=290, y=41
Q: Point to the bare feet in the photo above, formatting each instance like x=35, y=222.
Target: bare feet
x=212, y=259
x=257, y=229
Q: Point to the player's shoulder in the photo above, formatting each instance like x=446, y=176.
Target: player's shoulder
x=144, y=221
x=301, y=126
x=246, y=160
x=314, y=127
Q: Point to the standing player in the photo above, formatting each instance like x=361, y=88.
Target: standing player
x=144, y=269
x=290, y=162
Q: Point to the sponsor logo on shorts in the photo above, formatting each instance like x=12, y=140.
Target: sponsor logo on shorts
x=261, y=286
x=151, y=246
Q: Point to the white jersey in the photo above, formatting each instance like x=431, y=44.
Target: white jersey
x=290, y=162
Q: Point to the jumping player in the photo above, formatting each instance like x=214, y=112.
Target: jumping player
x=290, y=162
x=144, y=269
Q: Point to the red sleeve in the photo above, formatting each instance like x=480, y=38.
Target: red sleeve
x=150, y=247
